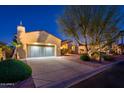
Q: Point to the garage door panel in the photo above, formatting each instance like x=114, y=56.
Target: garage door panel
x=49, y=51
x=41, y=51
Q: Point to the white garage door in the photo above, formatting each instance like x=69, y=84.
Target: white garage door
x=41, y=51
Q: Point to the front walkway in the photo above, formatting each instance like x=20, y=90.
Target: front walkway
x=49, y=71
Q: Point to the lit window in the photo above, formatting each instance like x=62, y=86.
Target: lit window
x=73, y=48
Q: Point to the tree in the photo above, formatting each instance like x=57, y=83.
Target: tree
x=16, y=44
x=104, y=29
x=97, y=26
x=2, y=50
x=5, y=50
x=74, y=23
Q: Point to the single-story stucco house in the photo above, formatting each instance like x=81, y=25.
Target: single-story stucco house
x=37, y=44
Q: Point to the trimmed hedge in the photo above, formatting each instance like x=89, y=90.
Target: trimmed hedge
x=12, y=70
x=108, y=58
x=85, y=57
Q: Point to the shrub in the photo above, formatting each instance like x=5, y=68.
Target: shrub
x=85, y=57
x=12, y=70
x=112, y=52
x=108, y=58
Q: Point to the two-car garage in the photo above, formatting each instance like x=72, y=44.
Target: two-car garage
x=41, y=51
x=38, y=44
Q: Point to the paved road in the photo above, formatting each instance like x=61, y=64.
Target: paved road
x=48, y=71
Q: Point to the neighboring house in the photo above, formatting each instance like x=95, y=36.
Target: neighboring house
x=37, y=44
x=118, y=46
x=68, y=47
x=71, y=47
x=81, y=49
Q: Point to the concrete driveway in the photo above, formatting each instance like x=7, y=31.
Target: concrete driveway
x=50, y=71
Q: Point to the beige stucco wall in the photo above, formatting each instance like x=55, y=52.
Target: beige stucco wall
x=118, y=49
x=81, y=49
x=37, y=38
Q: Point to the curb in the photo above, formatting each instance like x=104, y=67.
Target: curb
x=78, y=78
x=21, y=84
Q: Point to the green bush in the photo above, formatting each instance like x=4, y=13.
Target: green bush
x=108, y=58
x=85, y=57
x=12, y=70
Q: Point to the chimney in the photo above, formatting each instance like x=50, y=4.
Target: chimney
x=20, y=28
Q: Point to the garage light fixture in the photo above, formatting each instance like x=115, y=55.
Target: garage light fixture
x=36, y=43
x=49, y=44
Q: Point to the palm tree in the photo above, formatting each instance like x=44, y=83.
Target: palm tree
x=16, y=44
